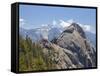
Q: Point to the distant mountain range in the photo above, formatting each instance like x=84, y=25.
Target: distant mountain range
x=50, y=32
x=44, y=32
x=91, y=37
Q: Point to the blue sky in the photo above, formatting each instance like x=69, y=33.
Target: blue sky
x=33, y=16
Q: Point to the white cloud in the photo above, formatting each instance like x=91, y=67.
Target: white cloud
x=64, y=24
x=44, y=25
x=54, y=22
x=21, y=20
x=22, y=23
x=70, y=21
x=88, y=28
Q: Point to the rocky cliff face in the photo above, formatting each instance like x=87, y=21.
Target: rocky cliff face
x=71, y=49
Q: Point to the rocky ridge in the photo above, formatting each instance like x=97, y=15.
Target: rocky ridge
x=71, y=49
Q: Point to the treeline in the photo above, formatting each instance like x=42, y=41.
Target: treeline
x=31, y=56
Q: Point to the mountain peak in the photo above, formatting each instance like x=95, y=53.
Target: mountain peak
x=76, y=27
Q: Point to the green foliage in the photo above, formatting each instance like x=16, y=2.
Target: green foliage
x=31, y=57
